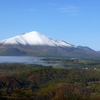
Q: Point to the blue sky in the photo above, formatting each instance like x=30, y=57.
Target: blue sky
x=74, y=21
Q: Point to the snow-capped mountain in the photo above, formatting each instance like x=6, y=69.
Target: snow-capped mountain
x=34, y=38
x=37, y=44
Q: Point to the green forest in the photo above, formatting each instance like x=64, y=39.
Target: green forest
x=37, y=82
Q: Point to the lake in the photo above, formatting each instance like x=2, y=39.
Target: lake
x=21, y=59
x=26, y=60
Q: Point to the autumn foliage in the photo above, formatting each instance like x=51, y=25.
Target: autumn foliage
x=28, y=82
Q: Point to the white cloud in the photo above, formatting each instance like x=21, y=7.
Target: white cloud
x=69, y=9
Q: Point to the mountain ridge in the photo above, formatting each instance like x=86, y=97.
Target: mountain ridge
x=36, y=44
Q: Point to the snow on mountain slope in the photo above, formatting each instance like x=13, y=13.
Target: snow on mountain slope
x=34, y=38
x=63, y=43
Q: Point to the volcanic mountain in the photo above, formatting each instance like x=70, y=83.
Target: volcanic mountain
x=34, y=38
x=37, y=44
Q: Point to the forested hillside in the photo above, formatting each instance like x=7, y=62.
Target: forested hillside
x=35, y=82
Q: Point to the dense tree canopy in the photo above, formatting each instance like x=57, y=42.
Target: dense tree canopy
x=35, y=82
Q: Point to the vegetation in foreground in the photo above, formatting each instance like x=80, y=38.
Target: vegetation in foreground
x=35, y=82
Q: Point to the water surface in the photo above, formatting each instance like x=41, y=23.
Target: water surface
x=21, y=59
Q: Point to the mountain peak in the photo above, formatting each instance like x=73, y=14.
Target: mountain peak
x=34, y=38
x=32, y=32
